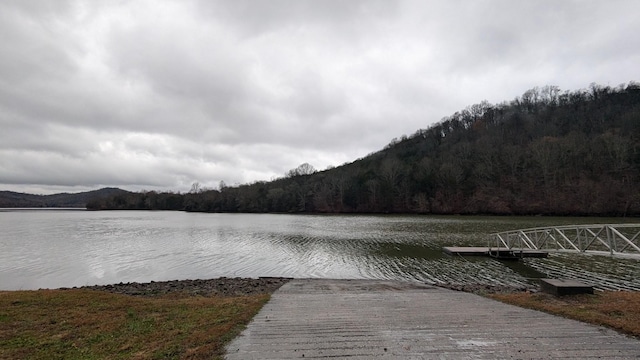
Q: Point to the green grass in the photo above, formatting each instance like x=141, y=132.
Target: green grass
x=85, y=324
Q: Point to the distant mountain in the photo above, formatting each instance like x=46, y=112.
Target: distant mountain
x=10, y=199
x=547, y=152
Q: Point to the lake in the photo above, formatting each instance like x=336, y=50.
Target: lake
x=66, y=248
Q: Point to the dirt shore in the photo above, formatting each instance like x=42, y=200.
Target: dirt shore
x=213, y=287
x=481, y=289
x=247, y=286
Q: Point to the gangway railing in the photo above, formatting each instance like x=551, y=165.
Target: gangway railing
x=615, y=239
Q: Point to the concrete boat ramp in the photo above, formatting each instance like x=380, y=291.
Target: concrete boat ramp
x=371, y=319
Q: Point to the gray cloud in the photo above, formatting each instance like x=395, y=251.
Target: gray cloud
x=159, y=94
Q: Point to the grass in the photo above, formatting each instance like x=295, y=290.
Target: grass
x=619, y=310
x=86, y=324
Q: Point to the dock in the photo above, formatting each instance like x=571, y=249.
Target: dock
x=498, y=253
x=384, y=319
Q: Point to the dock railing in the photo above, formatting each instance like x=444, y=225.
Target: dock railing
x=615, y=239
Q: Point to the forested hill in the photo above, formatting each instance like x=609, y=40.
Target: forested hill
x=545, y=152
x=10, y=199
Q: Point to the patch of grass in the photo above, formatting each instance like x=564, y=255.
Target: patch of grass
x=619, y=310
x=86, y=324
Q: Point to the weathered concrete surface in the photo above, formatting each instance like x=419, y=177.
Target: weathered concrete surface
x=369, y=319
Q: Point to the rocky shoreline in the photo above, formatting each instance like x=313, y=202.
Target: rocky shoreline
x=483, y=289
x=212, y=287
x=248, y=286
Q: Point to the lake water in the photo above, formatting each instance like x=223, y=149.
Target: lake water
x=66, y=248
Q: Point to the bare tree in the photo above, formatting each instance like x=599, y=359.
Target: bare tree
x=303, y=169
x=195, y=188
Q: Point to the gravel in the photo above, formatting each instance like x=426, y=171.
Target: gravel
x=483, y=289
x=248, y=286
x=213, y=287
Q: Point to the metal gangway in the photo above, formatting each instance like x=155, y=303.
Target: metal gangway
x=613, y=239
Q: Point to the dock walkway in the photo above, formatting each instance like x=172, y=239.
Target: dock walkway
x=501, y=253
x=369, y=319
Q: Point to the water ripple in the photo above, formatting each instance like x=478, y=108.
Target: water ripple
x=56, y=249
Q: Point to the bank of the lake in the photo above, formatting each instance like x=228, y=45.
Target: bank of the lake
x=195, y=319
x=221, y=287
x=191, y=319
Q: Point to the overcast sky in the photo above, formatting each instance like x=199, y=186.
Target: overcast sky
x=157, y=95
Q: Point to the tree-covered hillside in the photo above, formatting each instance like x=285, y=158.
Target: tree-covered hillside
x=546, y=152
x=10, y=199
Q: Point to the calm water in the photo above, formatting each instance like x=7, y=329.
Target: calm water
x=65, y=248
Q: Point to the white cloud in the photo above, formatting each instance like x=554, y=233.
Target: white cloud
x=158, y=94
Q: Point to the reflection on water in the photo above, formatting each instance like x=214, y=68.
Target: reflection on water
x=74, y=248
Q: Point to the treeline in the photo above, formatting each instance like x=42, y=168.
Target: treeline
x=546, y=152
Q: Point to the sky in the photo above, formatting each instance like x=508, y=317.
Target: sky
x=158, y=95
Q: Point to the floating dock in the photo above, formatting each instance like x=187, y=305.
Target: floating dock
x=498, y=253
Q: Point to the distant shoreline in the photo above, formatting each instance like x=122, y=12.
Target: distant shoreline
x=43, y=208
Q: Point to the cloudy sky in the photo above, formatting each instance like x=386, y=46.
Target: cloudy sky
x=161, y=94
